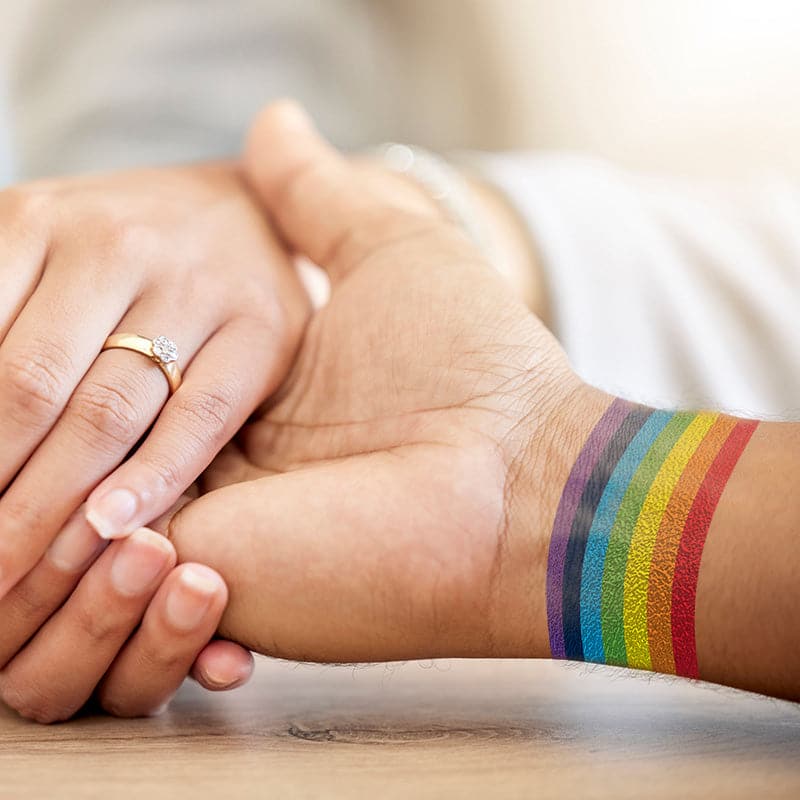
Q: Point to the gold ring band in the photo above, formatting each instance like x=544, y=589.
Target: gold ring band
x=160, y=350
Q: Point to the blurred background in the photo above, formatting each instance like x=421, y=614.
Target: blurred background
x=691, y=86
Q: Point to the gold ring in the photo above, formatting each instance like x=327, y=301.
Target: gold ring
x=161, y=350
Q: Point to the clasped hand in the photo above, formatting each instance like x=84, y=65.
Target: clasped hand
x=364, y=512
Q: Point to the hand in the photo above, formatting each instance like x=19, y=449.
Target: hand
x=181, y=252
x=376, y=502
x=126, y=633
x=80, y=255
x=397, y=498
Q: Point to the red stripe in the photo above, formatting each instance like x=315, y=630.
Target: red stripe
x=690, y=550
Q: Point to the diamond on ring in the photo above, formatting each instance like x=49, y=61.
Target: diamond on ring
x=165, y=350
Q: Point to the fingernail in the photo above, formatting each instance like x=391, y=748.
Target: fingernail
x=189, y=600
x=139, y=561
x=111, y=516
x=76, y=545
x=232, y=679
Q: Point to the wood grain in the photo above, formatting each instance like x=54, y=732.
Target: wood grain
x=451, y=729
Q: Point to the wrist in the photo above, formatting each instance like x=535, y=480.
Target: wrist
x=550, y=440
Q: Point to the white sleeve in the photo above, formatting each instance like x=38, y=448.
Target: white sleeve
x=667, y=292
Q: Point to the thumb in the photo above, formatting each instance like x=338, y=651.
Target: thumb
x=283, y=548
x=326, y=207
x=332, y=563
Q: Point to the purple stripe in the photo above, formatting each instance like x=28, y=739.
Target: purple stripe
x=567, y=507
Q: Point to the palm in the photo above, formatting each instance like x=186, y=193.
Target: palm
x=391, y=363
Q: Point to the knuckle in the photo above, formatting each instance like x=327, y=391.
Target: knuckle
x=100, y=622
x=20, y=516
x=123, y=240
x=12, y=205
x=163, y=657
x=26, y=601
x=105, y=414
x=134, y=240
x=121, y=707
x=126, y=704
x=169, y=472
x=33, y=380
x=210, y=410
x=12, y=201
x=25, y=204
x=120, y=699
x=30, y=702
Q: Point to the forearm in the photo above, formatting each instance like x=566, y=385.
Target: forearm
x=748, y=594
x=660, y=541
x=744, y=600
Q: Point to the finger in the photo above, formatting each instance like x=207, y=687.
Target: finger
x=109, y=411
x=58, y=670
x=29, y=604
x=179, y=622
x=46, y=352
x=23, y=248
x=222, y=666
x=239, y=366
x=322, y=205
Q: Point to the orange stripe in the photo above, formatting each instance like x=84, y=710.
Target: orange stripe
x=665, y=550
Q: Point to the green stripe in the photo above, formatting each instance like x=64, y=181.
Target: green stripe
x=611, y=612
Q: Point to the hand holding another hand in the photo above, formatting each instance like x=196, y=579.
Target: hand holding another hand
x=395, y=497
x=375, y=510
x=379, y=506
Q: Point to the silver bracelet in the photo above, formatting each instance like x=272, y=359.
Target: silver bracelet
x=443, y=182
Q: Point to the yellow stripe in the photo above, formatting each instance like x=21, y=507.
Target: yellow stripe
x=637, y=572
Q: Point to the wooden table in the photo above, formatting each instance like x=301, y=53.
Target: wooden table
x=450, y=729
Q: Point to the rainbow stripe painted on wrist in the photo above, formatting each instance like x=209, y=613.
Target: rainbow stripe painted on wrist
x=629, y=534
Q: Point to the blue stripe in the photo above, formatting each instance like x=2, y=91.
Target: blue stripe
x=597, y=542
x=582, y=522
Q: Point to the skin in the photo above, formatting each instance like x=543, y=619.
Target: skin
x=83, y=258
x=395, y=499
x=27, y=683
x=403, y=481
x=66, y=620
x=137, y=575
x=80, y=259
x=371, y=513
